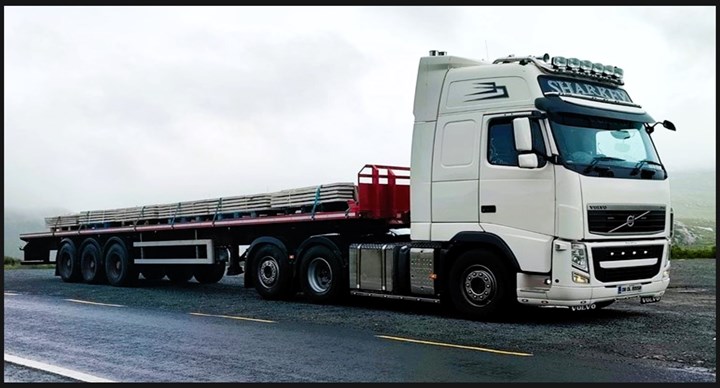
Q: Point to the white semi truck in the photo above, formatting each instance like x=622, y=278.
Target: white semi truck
x=533, y=180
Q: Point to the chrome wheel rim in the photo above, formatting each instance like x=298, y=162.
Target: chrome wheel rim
x=319, y=275
x=479, y=285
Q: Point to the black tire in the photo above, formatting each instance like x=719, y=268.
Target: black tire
x=209, y=274
x=91, y=262
x=321, y=275
x=68, y=263
x=179, y=274
x=480, y=284
x=152, y=272
x=272, y=272
x=119, y=271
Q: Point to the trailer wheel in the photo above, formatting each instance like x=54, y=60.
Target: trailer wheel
x=480, y=284
x=118, y=269
x=68, y=263
x=91, y=265
x=272, y=272
x=152, y=272
x=208, y=274
x=321, y=275
x=179, y=274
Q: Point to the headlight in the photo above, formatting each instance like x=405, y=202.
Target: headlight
x=579, y=257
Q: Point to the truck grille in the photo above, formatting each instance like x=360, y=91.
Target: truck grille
x=626, y=220
x=615, y=254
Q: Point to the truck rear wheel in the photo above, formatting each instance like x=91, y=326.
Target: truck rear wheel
x=179, y=274
x=118, y=269
x=321, y=275
x=480, y=284
x=208, y=274
x=68, y=263
x=272, y=272
x=91, y=262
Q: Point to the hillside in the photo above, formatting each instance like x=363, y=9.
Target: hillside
x=693, y=194
x=17, y=221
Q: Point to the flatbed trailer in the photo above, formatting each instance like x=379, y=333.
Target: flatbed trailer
x=181, y=248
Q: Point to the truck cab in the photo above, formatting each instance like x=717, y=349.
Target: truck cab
x=552, y=161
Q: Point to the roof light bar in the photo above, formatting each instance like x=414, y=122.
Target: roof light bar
x=586, y=68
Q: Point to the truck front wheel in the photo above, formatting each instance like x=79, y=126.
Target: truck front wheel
x=321, y=275
x=272, y=272
x=479, y=284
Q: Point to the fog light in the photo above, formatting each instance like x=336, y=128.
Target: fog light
x=666, y=274
x=577, y=278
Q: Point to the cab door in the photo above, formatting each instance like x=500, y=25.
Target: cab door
x=510, y=196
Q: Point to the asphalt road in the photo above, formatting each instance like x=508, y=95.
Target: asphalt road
x=148, y=333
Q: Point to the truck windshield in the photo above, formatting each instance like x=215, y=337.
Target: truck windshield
x=605, y=147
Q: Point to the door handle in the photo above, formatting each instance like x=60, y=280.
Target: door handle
x=487, y=209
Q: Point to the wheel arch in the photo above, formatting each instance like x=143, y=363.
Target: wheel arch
x=464, y=241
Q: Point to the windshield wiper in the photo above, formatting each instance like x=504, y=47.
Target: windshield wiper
x=641, y=163
x=599, y=159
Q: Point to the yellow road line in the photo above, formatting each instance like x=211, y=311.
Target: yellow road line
x=95, y=303
x=232, y=317
x=454, y=346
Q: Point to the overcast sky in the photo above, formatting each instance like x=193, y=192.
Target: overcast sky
x=109, y=107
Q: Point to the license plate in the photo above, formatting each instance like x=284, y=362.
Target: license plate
x=649, y=299
x=629, y=289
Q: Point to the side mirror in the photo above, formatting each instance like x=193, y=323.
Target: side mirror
x=528, y=161
x=523, y=136
x=667, y=124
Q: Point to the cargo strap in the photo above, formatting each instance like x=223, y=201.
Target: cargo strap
x=317, y=200
x=175, y=215
x=217, y=209
x=142, y=213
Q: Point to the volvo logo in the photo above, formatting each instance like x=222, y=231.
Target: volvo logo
x=630, y=221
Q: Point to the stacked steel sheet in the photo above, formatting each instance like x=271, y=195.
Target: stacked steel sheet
x=209, y=208
x=313, y=195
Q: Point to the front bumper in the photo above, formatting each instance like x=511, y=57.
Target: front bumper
x=563, y=292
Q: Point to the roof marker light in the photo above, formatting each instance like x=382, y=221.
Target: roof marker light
x=598, y=68
x=573, y=63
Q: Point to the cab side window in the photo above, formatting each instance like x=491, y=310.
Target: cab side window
x=501, y=142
